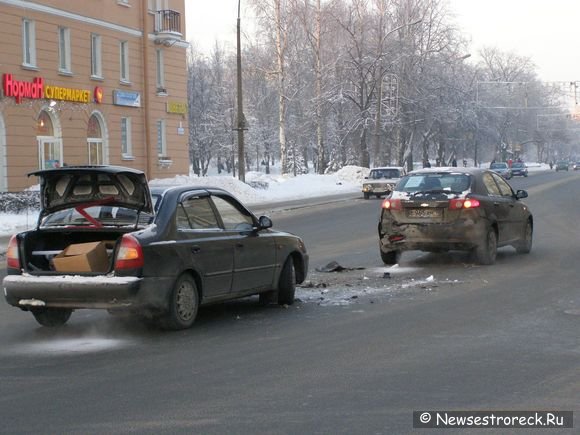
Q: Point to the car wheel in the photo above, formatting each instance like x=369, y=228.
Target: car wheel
x=366, y=195
x=52, y=317
x=525, y=245
x=287, y=283
x=486, y=251
x=183, y=304
x=391, y=257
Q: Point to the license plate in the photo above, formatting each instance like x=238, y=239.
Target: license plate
x=424, y=212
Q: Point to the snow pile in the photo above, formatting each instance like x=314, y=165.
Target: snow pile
x=276, y=187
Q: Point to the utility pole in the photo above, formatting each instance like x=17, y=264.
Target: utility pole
x=241, y=119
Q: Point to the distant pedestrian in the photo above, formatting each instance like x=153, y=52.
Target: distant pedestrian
x=465, y=163
x=426, y=163
x=454, y=163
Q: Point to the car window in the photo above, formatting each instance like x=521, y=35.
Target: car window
x=197, y=214
x=498, y=166
x=426, y=182
x=504, y=188
x=377, y=174
x=233, y=217
x=103, y=214
x=491, y=185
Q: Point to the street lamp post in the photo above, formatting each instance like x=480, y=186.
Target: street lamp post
x=241, y=119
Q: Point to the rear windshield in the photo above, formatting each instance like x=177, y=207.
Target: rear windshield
x=446, y=182
x=498, y=166
x=377, y=174
x=96, y=216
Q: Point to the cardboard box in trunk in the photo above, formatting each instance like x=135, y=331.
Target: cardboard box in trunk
x=82, y=257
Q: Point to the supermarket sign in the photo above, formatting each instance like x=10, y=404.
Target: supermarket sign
x=37, y=89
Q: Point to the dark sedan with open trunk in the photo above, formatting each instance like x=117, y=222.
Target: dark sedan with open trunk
x=104, y=240
x=445, y=209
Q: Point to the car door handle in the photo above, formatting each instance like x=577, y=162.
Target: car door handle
x=496, y=203
x=239, y=245
x=195, y=249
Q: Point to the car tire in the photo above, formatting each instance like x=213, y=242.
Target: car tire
x=51, y=317
x=287, y=283
x=486, y=251
x=525, y=245
x=366, y=195
x=183, y=304
x=391, y=257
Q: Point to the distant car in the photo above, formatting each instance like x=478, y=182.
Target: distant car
x=381, y=181
x=502, y=169
x=519, y=168
x=446, y=209
x=561, y=165
x=105, y=241
x=576, y=166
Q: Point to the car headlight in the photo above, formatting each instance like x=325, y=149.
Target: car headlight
x=366, y=187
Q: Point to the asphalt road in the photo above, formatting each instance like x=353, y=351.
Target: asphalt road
x=502, y=337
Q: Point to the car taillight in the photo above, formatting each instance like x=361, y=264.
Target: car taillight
x=457, y=204
x=130, y=254
x=12, y=255
x=392, y=204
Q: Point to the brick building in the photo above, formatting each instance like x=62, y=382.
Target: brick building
x=92, y=82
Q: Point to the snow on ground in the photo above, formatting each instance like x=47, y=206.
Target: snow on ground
x=275, y=187
x=267, y=188
x=278, y=188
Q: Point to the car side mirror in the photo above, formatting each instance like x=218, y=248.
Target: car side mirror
x=521, y=194
x=366, y=178
x=264, y=222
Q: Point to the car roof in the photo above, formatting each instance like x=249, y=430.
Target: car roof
x=448, y=170
x=164, y=189
x=387, y=167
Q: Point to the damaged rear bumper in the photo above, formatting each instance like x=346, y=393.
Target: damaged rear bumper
x=460, y=235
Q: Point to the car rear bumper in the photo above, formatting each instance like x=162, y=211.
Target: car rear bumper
x=463, y=234
x=76, y=292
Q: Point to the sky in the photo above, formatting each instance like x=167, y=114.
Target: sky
x=548, y=31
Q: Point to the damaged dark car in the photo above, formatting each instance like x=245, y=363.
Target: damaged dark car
x=104, y=240
x=445, y=209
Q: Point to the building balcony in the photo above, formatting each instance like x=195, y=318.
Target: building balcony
x=167, y=27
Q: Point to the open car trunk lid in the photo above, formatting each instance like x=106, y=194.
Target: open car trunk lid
x=73, y=186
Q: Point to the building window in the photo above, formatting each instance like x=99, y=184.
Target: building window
x=124, y=60
x=28, y=43
x=96, y=69
x=157, y=5
x=95, y=142
x=161, y=143
x=64, y=50
x=160, y=73
x=126, y=145
x=123, y=3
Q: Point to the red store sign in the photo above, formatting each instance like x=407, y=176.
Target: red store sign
x=20, y=90
x=38, y=90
